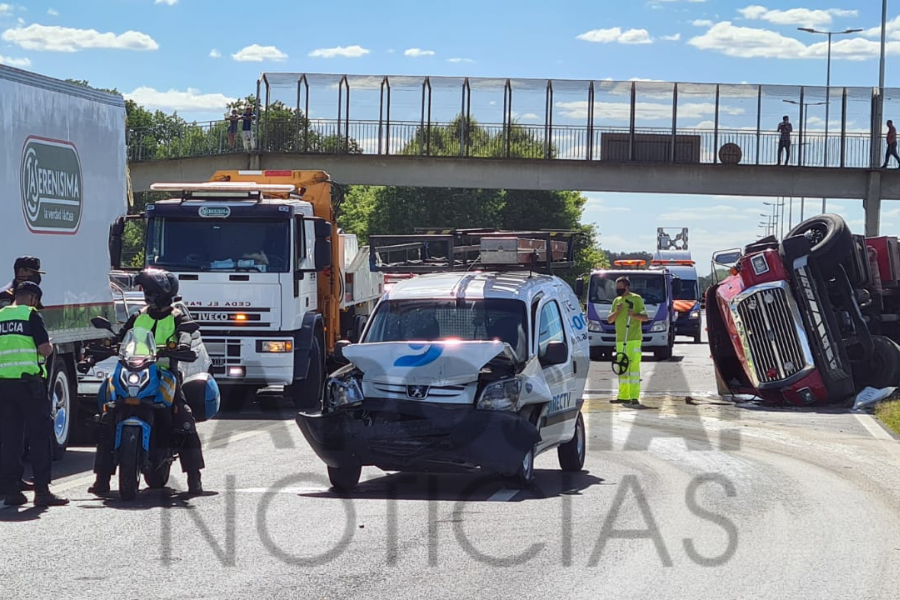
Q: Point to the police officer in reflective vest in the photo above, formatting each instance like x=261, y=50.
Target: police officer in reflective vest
x=627, y=312
x=26, y=268
x=24, y=402
x=167, y=324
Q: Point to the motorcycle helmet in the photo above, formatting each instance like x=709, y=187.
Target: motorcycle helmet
x=160, y=287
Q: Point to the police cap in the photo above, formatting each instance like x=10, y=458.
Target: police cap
x=31, y=263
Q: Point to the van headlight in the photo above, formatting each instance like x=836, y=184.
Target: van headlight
x=500, y=395
x=659, y=326
x=594, y=326
x=695, y=314
x=344, y=392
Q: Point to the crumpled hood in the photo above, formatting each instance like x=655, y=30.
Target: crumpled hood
x=424, y=363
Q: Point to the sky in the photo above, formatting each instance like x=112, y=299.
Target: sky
x=194, y=57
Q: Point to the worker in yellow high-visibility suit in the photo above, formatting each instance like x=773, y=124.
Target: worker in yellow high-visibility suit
x=627, y=312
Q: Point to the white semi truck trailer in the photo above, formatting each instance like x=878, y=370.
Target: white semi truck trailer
x=63, y=175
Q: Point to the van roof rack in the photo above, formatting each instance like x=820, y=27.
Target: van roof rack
x=223, y=190
x=439, y=250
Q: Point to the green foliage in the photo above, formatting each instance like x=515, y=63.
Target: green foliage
x=638, y=255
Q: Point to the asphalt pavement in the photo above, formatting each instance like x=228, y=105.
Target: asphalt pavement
x=692, y=497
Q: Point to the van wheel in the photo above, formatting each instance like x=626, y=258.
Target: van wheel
x=697, y=339
x=525, y=475
x=571, y=454
x=598, y=353
x=344, y=479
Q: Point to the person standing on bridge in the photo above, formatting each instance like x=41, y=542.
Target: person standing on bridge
x=627, y=312
x=891, y=145
x=248, y=140
x=784, y=142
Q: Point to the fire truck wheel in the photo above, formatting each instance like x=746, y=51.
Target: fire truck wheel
x=885, y=368
x=830, y=238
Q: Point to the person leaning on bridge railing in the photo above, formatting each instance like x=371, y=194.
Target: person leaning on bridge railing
x=784, y=142
x=891, y=145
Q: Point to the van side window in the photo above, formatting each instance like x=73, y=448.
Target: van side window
x=551, y=327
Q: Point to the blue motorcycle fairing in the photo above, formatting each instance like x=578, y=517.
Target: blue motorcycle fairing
x=134, y=421
x=160, y=386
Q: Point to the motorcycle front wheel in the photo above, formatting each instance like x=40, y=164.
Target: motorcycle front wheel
x=129, y=463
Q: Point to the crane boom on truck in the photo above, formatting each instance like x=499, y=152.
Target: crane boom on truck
x=267, y=274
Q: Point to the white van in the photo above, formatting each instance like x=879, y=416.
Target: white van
x=459, y=371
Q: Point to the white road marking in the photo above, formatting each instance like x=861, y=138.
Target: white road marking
x=890, y=445
x=504, y=495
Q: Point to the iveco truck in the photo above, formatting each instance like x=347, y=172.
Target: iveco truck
x=266, y=273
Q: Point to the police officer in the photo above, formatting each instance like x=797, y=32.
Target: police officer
x=168, y=324
x=24, y=402
x=26, y=268
x=627, y=312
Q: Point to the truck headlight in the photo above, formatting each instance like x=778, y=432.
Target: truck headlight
x=344, y=392
x=659, y=326
x=594, y=326
x=500, y=395
x=279, y=346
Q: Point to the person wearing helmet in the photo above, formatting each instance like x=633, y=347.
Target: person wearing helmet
x=26, y=268
x=168, y=324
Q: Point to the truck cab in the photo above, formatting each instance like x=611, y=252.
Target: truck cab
x=655, y=286
x=264, y=271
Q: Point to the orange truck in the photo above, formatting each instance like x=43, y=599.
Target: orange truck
x=267, y=274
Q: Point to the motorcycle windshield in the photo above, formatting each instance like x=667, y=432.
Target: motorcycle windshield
x=138, y=347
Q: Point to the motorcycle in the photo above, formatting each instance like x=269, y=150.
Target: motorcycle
x=139, y=395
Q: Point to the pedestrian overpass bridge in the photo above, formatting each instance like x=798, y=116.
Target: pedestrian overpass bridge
x=648, y=137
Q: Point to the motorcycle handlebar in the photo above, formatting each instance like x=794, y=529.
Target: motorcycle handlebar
x=180, y=356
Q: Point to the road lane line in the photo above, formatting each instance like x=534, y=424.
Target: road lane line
x=890, y=445
x=504, y=495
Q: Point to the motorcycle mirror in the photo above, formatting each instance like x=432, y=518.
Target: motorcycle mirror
x=101, y=323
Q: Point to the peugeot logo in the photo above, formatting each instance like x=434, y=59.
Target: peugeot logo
x=417, y=391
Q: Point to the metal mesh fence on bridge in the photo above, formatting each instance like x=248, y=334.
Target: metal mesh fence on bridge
x=646, y=121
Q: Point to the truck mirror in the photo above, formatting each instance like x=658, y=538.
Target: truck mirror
x=101, y=323
x=727, y=257
x=579, y=288
x=322, y=254
x=115, y=243
x=323, y=229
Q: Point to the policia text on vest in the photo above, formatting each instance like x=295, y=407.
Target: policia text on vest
x=24, y=402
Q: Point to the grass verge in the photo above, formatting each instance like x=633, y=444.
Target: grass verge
x=889, y=414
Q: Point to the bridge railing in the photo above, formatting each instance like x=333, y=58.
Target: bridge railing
x=562, y=142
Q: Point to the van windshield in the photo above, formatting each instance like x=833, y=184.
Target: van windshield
x=688, y=290
x=469, y=320
x=649, y=286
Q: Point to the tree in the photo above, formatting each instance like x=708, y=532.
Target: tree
x=637, y=255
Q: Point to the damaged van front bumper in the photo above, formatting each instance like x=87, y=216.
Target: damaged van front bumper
x=399, y=435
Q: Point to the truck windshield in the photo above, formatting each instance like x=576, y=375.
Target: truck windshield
x=432, y=320
x=649, y=286
x=219, y=245
x=688, y=290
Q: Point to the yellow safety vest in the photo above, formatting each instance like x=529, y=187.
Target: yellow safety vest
x=18, y=352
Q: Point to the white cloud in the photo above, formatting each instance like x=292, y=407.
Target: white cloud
x=66, y=39
x=15, y=62
x=598, y=205
x=215, y=53
x=257, y=53
x=190, y=100
x=892, y=30
x=615, y=34
x=342, y=51
x=671, y=38
x=701, y=23
x=795, y=16
x=709, y=213
x=749, y=42
x=52, y=12
x=169, y=2
x=460, y=60
x=526, y=117
x=418, y=52
x=5, y=9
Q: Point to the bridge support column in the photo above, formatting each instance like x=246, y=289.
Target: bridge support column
x=872, y=203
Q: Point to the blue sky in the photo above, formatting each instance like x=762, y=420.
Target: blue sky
x=194, y=56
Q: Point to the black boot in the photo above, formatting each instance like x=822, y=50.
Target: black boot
x=195, y=487
x=47, y=498
x=101, y=485
x=16, y=499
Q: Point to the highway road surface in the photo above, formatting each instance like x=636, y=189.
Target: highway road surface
x=696, y=498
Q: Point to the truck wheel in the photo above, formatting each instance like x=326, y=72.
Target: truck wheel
x=130, y=465
x=63, y=408
x=234, y=396
x=829, y=236
x=885, y=367
x=571, y=455
x=307, y=393
x=344, y=479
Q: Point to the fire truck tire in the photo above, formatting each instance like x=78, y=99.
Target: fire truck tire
x=885, y=368
x=831, y=240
